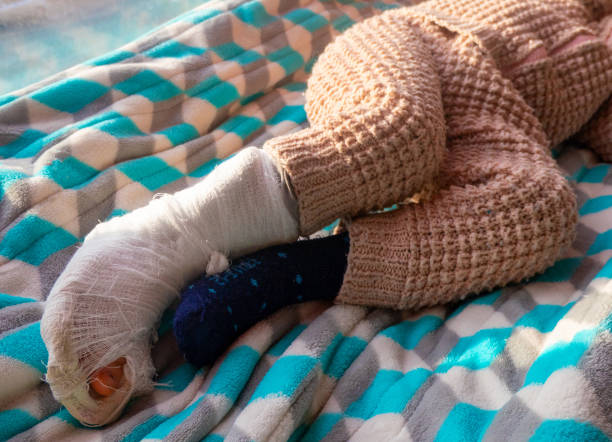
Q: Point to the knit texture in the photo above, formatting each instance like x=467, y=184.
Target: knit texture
x=503, y=211
x=355, y=99
x=597, y=134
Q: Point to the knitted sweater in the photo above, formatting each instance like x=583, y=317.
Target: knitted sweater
x=434, y=97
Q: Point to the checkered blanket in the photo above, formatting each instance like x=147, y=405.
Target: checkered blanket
x=529, y=361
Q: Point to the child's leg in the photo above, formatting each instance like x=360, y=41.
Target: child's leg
x=215, y=309
x=101, y=313
x=378, y=131
x=104, y=305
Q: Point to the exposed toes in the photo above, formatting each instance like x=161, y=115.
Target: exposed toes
x=107, y=380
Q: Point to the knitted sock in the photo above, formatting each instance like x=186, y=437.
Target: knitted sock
x=100, y=316
x=216, y=309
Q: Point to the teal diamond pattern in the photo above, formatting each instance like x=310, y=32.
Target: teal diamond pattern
x=561, y=271
x=242, y=126
x=295, y=87
x=345, y=354
x=596, y=204
x=114, y=124
x=33, y=239
x=401, y=392
x=7, y=178
x=385, y=6
x=150, y=85
x=112, y=57
x=408, y=334
x=234, y=372
x=366, y=404
x=601, y=243
x=297, y=114
x=307, y=19
x=465, y=422
x=24, y=140
x=559, y=355
x=477, y=351
x=342, y=23
x=181, y=133
x=216, y=91
x=285, y=376
x=232, y=51
x=289, y=59
x=151, y=172
x=68, y=173
x=70, y=95
x=206, y=168
x=568, y=430
x=321, y=426
x=27, y=346
x=309, y=65
x=246, y=100
x=37, y=144
x=544, y=317
x=173, y=49
x=6, y=99
x=254, y=14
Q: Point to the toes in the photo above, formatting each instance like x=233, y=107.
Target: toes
x=107, y=380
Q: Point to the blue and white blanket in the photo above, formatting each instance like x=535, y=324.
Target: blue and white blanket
x=532, y=361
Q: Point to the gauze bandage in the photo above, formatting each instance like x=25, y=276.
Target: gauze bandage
x=106, y=303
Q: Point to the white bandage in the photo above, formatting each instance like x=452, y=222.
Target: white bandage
x=106, y=303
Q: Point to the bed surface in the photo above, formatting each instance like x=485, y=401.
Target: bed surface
x=532, y=361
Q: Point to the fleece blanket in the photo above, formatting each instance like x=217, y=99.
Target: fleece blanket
x=531, y=361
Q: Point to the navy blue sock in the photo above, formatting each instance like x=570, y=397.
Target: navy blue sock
x=215, y=310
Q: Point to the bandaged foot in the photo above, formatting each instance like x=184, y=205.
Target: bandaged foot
x=101, y=314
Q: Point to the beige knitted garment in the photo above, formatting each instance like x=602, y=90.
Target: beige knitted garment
x=435, y=96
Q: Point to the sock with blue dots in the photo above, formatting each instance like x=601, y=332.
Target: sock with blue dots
x=214, y=310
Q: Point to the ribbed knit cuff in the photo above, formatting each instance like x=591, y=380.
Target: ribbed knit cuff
x=321, y=178
x=376, y=269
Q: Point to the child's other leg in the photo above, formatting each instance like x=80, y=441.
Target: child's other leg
x=216, y=309
x=378, y=130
